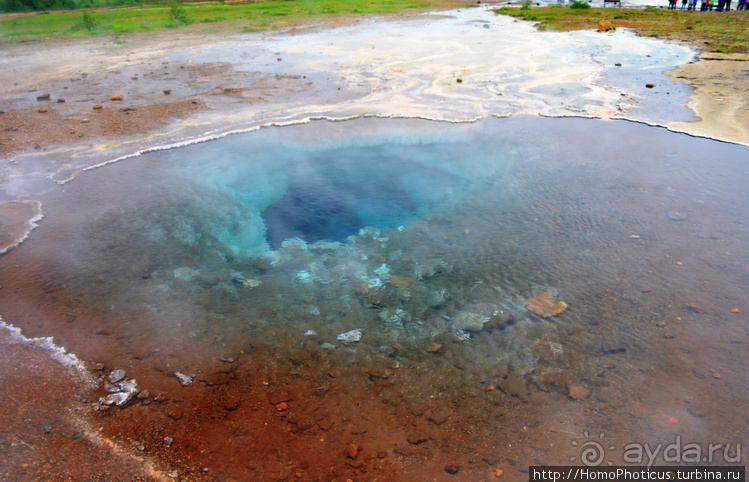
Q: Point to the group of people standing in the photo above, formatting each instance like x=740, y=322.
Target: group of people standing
x=708, y=5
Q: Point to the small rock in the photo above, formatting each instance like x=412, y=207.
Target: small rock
x=546, y=306
x=606, y=26
x=143, y=394
x=42, y=111
x=352, y=451
x=98, y=107
x=498, y=472
x=459, y=80
x=47, y=428
x=184, y=380
x=435, y=348
x=676, y=216
x=43, y=97
x=350, y=336
x=60, y=101
x=452, y=468
x=717, y=376
x=577, y=392
x=116, y=375
x=282, y=406
x=175, y=414
x=116, y=97
x=168, y=440
x=167, y=91
x=649, y=86
x=618, y=64
x=695, y=307
x=195, y=101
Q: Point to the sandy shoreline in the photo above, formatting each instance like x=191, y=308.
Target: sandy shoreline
x=215, y=88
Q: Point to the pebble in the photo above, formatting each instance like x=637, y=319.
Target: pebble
x=167, y=91
x=452, y=468
x=184, y=380
x=435, y=348
x=545, y=305
x=116, y=375
x=168, y=440
x=350, y=336
x=498, y=472
x=43, y=97
x=47, y=428
x=649, y=86
x=577, y=392
x=175, y=414
x=117, y=97
x=352, y=451
x=98, y=107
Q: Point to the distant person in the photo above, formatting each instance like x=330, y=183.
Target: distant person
x=741, y=5
x=684, y=4
x=672, y=4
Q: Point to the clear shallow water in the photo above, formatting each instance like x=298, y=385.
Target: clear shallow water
x=417, y=233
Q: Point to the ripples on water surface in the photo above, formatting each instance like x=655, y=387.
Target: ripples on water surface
x=420, y=235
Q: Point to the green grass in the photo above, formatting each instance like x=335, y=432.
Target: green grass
x=709, y=31
x=240, y=17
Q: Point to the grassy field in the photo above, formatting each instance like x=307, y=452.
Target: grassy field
x=228, y=17
x=708, y=31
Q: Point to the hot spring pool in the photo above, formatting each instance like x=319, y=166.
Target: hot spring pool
x=427, y=240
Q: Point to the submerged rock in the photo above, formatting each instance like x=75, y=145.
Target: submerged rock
x=470, y=321
x=350, y=336
x=545, y=305
x=184, y=380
